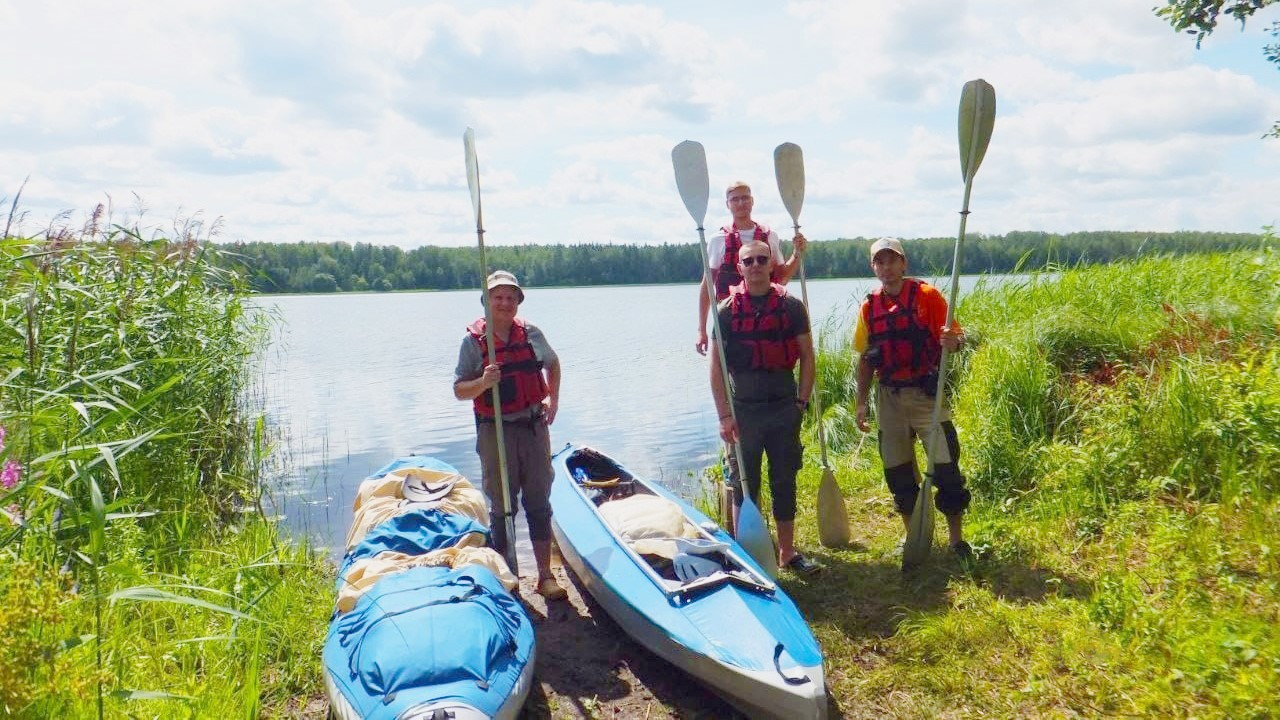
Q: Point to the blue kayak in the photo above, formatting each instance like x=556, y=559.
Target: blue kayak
x=703, y=605
x=427, y=643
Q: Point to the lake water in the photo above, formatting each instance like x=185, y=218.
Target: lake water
x=353, y=381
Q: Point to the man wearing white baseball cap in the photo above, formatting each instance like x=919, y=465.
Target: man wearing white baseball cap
x=527, y=373
x=899, y=338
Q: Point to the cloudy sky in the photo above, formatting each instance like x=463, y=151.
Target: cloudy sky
x=343, y=120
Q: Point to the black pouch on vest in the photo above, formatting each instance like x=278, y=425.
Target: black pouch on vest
x=507, y=389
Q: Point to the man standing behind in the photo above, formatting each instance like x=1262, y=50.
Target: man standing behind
x=900, y=336
x=766, y=334
x=722, y=254
x=527, y=373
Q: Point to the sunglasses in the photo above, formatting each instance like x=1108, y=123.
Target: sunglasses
x=754, y=260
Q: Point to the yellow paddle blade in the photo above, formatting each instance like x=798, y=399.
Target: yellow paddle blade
x=833, y=519
x=920, y=534
x=977, y=119
x=473, y=174
x=754, y=537
x=788, y=168
x=689, y=160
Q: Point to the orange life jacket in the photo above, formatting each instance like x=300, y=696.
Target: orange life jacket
x=522, y=385
x=726, y=277
x=908, y=350
x=761, y=340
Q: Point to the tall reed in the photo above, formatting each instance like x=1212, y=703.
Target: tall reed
x=125, y=368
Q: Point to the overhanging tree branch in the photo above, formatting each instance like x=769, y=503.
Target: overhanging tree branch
x=1200, y=18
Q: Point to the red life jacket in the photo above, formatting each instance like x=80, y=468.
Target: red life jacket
x=726, y=277
x=908, y=350
x=761, y=340
x=522, y=385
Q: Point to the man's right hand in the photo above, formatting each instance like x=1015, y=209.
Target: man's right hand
x=863, y=425
x=492, y=374
x=701, y=345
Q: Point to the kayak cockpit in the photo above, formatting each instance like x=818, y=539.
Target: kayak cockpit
x=680, y=555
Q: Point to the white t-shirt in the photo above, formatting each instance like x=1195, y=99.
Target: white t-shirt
x=715, y=248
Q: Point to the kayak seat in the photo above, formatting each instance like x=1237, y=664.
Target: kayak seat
x=600, y=477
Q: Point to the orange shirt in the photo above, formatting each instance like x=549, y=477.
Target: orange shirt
x=931, y=310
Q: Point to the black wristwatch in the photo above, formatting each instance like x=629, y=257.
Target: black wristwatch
x=802, y=404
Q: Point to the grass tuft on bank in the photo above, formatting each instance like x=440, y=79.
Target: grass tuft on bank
x=1121, y=433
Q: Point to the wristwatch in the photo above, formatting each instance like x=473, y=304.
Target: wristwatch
x=802, y=404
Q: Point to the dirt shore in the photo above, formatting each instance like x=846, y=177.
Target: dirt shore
x=588, y=668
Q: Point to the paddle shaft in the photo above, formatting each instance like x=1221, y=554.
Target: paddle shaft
x=508, y=517
x=717, y=331
x=815, y=397
x=935, y=427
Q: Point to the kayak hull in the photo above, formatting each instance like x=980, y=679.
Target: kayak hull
x=428, y=642
x=745, y=640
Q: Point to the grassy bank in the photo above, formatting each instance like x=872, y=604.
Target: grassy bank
x=137, y=575
x=1121, y=433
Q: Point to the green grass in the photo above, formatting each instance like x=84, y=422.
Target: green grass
x=137, y=576
x=1121, y=433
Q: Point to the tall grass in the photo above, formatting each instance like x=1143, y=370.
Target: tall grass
x=125, y=368
x=1121, y=433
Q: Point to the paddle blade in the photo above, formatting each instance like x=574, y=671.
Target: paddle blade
x=690, y=162
x=833, y=519
x=788, y=167
x=473, y=173
x=920, y=533
x=754, y=537
x=977, y=118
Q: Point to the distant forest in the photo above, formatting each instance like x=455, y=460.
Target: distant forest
x=307, y=267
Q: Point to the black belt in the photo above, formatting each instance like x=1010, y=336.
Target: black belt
x=770, y=401
x=522, y=421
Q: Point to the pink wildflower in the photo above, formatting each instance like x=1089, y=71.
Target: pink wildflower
x=11, y=474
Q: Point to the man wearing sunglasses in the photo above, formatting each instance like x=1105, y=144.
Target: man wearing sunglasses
x=766, y=335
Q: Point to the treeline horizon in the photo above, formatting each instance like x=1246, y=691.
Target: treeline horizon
x=307, y=267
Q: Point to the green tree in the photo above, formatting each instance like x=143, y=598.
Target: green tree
x=1200, y=18
x=323, y=282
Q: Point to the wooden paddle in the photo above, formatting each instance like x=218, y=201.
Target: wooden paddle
x=689, y=160
x=833, y=519
x=977, y=119
x=473, y=182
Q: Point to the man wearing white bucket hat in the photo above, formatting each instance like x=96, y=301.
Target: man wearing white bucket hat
x=527, y=374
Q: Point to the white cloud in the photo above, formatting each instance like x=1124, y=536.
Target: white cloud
x=339, y=120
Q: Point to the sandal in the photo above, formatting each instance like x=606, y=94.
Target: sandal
x=550, y=589
x=962, y=550
x=801, y=565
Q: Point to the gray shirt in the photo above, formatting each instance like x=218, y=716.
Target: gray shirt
x=471, y=362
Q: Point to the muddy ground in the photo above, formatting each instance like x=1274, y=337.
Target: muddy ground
x=588, y=668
